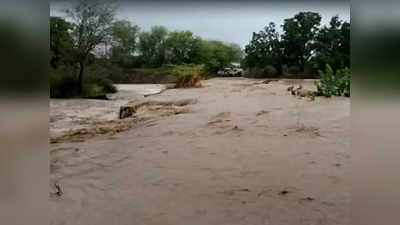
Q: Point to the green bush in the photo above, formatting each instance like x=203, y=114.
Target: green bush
x=331, y=84
x=164, y=70
x=107, y=85
x=293, y=70
x=310, y=71
x=63, y=84
x=189, y=75
x=99, y=76
x=344, y=80
x=254, y=73
x=270, y=71
x=188, y=70
x=266, y=72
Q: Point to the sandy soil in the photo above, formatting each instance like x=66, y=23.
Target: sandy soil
x=246, y=153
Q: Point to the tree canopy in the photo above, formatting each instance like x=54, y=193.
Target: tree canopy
x=264, y=48
x=303, y=44
x=182, y=47
x=60, y=40
x=123, y=40
x=152, y=45
x=92, y=26
x=299, y=38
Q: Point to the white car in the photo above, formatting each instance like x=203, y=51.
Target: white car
x=230, y=72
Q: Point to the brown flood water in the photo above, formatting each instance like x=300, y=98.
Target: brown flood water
x=245, y=153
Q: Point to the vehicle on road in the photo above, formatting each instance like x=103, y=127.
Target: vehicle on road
x=230, y=72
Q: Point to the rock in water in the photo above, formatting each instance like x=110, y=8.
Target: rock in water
x=126, y=111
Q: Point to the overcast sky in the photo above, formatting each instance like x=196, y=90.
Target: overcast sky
x=226, y=20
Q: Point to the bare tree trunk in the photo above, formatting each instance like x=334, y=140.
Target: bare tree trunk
x=80, y=77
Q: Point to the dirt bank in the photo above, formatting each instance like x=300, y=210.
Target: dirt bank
x=247, y=153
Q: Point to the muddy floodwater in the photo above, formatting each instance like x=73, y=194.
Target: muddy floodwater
x=238, y=152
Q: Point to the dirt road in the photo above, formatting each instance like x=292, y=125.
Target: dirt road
x=245, y=153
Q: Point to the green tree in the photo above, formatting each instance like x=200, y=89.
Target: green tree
x=182, y=47
x=265, y=48
x=215, y=55
x=344, y=47
x=299, y=38
x=333, y=45
x=60, y=41
x=123, y=41
x=92, y=27
x=152, y=46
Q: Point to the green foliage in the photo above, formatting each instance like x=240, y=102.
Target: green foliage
x=344, y=81
x=60, y=41
x=267, y=72
x=299, y=37
x=303, y=48
x=92, y=26
x=333, y=45
x=189, y=70
x=159, y=71
x=270, y=71
x=215, y=55
x=64, y=84
x=123, y=42
x=331, y=84
x=101, y=75
x=189, y=75
x=254, y=72
x=159, y=47
x=293, y=70
x=264, y=49
x=152, y=46
x=182, y=47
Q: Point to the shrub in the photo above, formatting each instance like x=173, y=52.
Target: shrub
x=63, y=84
x=266, y=72
x=310, y=71
x=189, y=75
x=293, y=70
x=92, y=90
x=270, y=71
x=188, y=81
x=188, y=69
x=254, y=72
x=331, y=84
x=344, y=80
x=107, y=85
